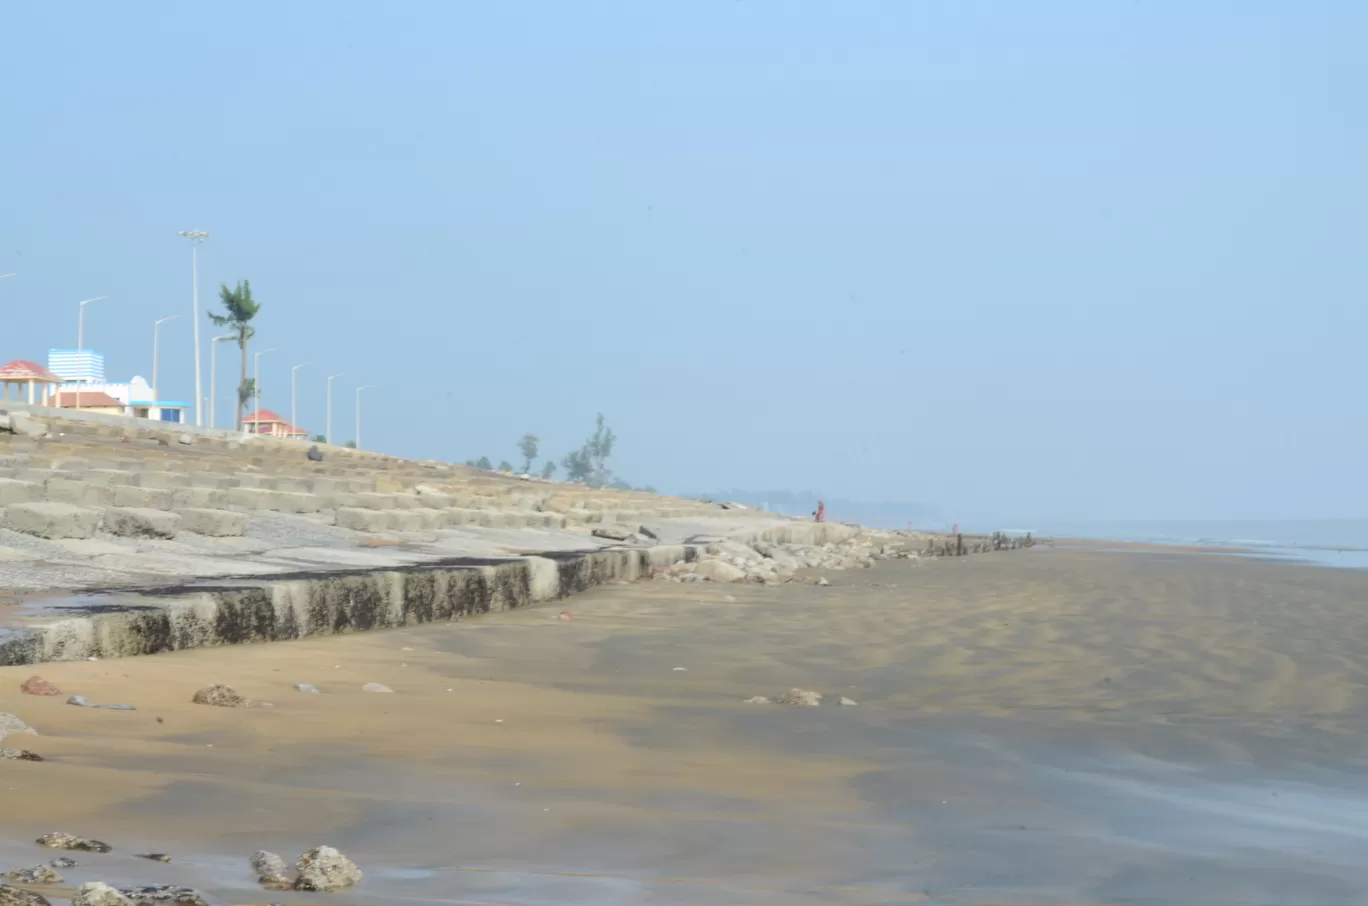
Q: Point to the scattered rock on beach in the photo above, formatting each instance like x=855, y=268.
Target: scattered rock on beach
x=801, y=697
x=17, y=896
x=307, y=687
x=98, y=893
x=19, y=755
x=79, y=701
x=271, y=871
x=36, y=685
x=757, y=700
x=376, y=687
x=219, y=696
x=154, y=857
x=11, y=726
x=324, y=869
x=848, y=702
x=63, y=862
x=719, y=571
x=160, y=894
x=59, y=840
x=822, y=581
x=38, y=874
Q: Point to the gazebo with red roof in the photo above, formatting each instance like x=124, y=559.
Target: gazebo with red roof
x=264, y=421
x=21, y=372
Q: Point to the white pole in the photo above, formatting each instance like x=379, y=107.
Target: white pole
x=196, y=237
x=358, y=413
x=213, y=378
x=294, y=372
x=156, y=330
x=80, y=339
x=256, y=387
x=329, y=435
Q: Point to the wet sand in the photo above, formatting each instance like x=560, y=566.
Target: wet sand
x=1034, y=727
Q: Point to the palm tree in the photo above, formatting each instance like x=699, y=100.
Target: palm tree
x=239, y=309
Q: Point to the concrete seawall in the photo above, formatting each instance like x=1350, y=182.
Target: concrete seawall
x=125, y=623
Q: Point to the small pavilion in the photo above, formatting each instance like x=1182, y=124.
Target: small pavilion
x=40, y=381
x=266, y=422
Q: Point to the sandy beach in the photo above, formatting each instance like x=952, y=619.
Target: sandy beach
x=1042, y=726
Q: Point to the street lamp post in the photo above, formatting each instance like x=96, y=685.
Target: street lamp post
x=213, y=377
x=294, y=372
x=256, y=387
x=80, y=339
x=329, y=435
x=195, y=237
x=358, y=413
x=156, y=359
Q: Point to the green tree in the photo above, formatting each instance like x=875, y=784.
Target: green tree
x=351, y=445
x=484, y=463
x=505, y=466
x=589, y=464
x=548, y=469
x=319, y=439
x=239, y=308
x=246, y=391
x=528, y=447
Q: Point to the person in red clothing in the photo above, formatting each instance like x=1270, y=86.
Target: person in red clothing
x=820, y=515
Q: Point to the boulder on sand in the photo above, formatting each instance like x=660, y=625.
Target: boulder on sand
x=324, y=869
x=220, y=696
x=59, y=840
x=98, y=893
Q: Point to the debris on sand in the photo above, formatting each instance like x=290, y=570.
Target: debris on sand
x=11, y=726
x=801, y=697
x=36, y=685
x=164, y=894
x=757, y=700
x=848, y=702
x=19, y=755
x=98, y=893
x=220, y=696
x=154, y=857
x=376, y=687
x=59, y=840
x=38, y=874
x=17, y=896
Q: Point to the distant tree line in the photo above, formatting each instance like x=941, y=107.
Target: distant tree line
x=587, y=465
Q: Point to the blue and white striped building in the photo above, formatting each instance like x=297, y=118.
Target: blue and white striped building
x=77, y=364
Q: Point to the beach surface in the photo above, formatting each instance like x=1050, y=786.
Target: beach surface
x=1046, y=726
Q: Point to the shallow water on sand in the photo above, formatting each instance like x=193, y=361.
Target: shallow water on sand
x=1034, y=727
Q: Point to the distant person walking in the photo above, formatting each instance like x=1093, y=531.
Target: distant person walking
x=820, y=514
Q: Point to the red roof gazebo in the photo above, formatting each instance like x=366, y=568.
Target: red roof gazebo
x=21, y=372
x=264, y=421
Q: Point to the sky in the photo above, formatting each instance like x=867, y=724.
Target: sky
x=1021, y=261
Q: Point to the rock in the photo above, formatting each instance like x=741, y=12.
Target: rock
x=612, y=532
x=141, y=522
x=220, y=696
x=164, y=893
x=822, y=582
x=314, y=454
x=307, y=687
x=757, y=700
x=36, y=685
x=19, y=755
x=848, y=702
x=80, y=701
x=154, y=857
x=38, y=874
x=324, y=869
x=801, y=697
x=112, y=707
x=63, y=862
x=184, y=439
x=718, y=571
x=98, y=893
x=271, y=871
x=25, y=425
x=645, y=532
x=11, y=726
x=59, y=840
x=17, y=896
x=376, y=687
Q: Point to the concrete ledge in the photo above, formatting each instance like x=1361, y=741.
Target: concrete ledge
x=214, y=523
x=52, y=520
x=14, y=491
x=141, y=522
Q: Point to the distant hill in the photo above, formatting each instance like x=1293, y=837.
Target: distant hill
x=801, y=503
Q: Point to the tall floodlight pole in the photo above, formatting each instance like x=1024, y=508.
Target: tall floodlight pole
x=213, y=377
x=80, y=339
x=256, y=386
x=294, y=372
x=196, y=237
x=329, y=435
x=358, y=413
x=156, y=359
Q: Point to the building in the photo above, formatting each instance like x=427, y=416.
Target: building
x=88, y=401
x=77, y=364
x=38, y=379
x=134, y=399
x=266, y=422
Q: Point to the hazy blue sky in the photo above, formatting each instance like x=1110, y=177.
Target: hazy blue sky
x=1026, y=261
